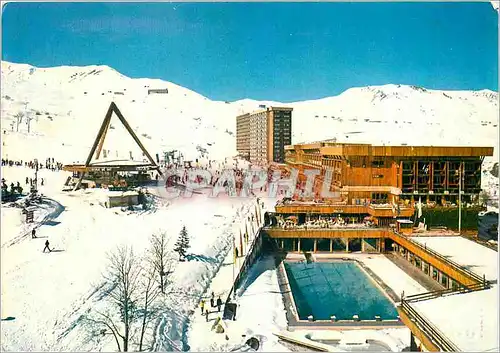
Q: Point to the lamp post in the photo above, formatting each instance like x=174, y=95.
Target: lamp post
x=36, y=174
x=460, y=199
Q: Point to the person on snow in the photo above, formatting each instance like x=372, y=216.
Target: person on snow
x=212, y=301
x=33, y=234
x=202, y=305
x=46, y=246
x=27, y=180
x=206, y=314
x=42, y=181
x=219, y=303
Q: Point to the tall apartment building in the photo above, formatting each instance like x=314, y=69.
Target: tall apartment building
x=263, y=134
x=243, y=135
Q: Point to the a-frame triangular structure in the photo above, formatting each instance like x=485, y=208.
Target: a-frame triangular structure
x=101, y=135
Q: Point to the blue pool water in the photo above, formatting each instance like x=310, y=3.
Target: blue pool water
x=340, y=288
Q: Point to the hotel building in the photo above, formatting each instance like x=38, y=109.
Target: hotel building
x=261, y=136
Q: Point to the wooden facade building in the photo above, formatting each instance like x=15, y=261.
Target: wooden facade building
x=363, y=173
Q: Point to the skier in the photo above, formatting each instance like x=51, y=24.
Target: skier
x=33, y=234
x=212, y=301
x=202, y=305
x=46, y=246
x=42, y=181
x=27, y=180
x=206, y=314
x=219, y=303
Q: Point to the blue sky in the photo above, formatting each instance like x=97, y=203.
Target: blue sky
x=273, y=51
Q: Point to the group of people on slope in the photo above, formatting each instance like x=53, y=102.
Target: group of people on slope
x=213, y=304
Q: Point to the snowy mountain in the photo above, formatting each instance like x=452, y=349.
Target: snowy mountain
x=50, y=300
x=69, y=103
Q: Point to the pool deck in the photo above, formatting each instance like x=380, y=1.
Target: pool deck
x=416, y=274
x=294, y=323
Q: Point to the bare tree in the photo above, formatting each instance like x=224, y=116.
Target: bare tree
x=123, y=279
x=28, y=122
x=160, y=258
x=150, y=293
x=19, y=119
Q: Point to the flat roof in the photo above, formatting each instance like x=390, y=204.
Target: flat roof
x=469, y=320
x=263, y=110
x=345, y=149
x=474, y=256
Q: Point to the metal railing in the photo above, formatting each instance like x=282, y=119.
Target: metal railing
x=434, y=335
x=451, y=263
x=295, y=228
x=247, y=262
x=432, y=332
x=444, y=292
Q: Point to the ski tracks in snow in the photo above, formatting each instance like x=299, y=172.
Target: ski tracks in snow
x=48, y=210
x=171, y=332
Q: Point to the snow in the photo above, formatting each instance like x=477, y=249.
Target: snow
x=67, y=116
x=476, y=257
x=469, y=320
x=384, y=268
x=475, y=326
x=395, y=339
x=49, y=295
x=260, y=311
x=362, y=114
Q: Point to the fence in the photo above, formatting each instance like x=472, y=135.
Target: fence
x=445, y=292
x=457, y=267
x=432, y=332
x=250, y=258
x=429, y=330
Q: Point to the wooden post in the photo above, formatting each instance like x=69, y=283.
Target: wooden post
x=96, y=142
x=99, y=140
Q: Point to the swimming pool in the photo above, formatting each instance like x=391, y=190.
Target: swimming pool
x=339, y=288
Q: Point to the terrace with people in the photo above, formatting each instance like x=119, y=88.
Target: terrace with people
x=322, y=222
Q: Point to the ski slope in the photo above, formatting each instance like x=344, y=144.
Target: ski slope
x=50, y=295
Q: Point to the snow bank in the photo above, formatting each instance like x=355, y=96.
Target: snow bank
x=476, y=257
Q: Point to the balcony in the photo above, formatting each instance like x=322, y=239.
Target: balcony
x=339, y=208
x=339, y=232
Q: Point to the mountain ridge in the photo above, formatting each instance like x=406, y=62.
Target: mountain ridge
x=68, y=103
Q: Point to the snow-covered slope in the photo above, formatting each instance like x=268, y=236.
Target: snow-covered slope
x=46, y=296
x=69, y=103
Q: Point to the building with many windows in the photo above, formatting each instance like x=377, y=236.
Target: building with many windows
x=261, y=136
x=243, y=135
